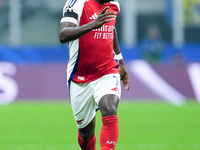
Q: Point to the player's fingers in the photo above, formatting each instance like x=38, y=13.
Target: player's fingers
x=109, y=15
x=104, y=10
x=105, y=21
x=124, y=78
x=126, y=82
x=107, y=18
x=127, y=85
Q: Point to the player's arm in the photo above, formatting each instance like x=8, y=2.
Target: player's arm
x=70, y=31
x=122, y=67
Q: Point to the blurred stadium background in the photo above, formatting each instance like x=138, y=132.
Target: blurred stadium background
x=160, y=42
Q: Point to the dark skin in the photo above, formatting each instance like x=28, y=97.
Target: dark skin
x=68, y=32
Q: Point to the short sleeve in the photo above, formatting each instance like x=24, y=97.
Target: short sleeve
x=70, y=12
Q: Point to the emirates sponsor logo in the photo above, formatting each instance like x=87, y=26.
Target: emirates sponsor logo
x=105, y=28
x=105, y=32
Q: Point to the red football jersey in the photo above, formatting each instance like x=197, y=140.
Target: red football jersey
x=91, y=56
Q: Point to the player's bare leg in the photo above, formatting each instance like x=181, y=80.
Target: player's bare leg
x=110, y=129
x=86, y=137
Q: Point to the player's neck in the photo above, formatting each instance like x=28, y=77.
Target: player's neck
x=102, y=1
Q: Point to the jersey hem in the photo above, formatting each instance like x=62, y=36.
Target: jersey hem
x=97, y=77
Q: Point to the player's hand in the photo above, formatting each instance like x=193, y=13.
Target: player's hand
x=103, y=18
x=124, y=76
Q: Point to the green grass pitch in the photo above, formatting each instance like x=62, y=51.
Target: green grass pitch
x=143, y=126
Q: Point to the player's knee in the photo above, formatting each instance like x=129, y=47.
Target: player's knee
x=109, y=111
x=88, y=131
x=86, y=135
x=108, y=105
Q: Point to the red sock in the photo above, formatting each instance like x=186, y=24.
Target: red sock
x=109, y=133
x=89, y=144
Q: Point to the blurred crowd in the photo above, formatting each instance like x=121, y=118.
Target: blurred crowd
x=154, y=28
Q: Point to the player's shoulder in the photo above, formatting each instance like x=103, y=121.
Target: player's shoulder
x=73, y=3
x=74, y=6
x=115, y=2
